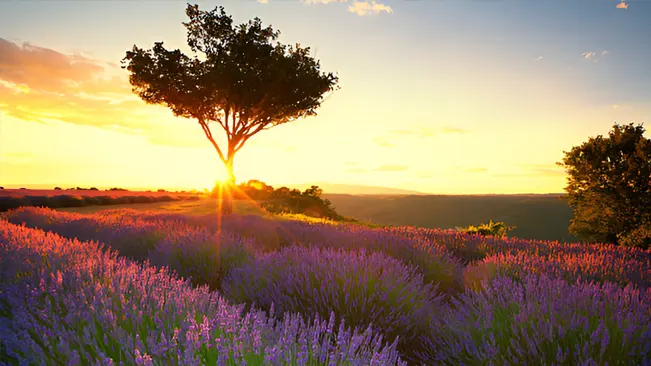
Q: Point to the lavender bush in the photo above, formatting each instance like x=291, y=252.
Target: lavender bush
x=201, y=255
x=68, y=302
x=362, y=288
x=515, y=302
x=540, y=320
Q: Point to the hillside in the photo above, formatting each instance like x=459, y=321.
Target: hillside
x=338, y=188
x=544, y=217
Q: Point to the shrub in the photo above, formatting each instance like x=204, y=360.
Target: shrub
x=496, y=229
x=204, y=257
x=540, y=320
x=68, y=302
x=362, y=288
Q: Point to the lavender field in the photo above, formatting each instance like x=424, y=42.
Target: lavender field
x=134, y=287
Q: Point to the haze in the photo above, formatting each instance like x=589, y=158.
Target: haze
x=444, y=97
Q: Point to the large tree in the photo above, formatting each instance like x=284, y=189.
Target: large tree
x=239, y=78
x=609, y=187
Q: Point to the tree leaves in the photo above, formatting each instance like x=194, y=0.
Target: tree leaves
x=238, y=76
x=609, y=187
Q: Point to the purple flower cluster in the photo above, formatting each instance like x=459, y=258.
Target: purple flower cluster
x=544, y=321
x=203, y=256
x=130, y=236
x=362, y=288
x=69, y=302
x=571, y=261
x=447, y=297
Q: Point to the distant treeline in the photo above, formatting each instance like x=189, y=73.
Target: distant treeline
x=65, y=200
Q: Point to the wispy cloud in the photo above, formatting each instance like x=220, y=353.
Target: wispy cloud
x=359, y=7
x=351, y=163
x=323, y=1
x=43, y=85
x=475, y=170
x=391, y=168
x=622, y=5
x=17, y=157
x=545, y=169
x=362, y=8
x=382, y=142
x=428, y=131
x=39, y=84
x=595, y=56
x=539, y=58
x=454, y=130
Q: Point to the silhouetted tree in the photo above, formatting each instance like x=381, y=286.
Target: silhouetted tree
x=609, y=187
x=245, y=80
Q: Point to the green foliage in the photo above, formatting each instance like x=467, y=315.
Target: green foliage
x=496, y=229
x=283, y=200
x=609, y=187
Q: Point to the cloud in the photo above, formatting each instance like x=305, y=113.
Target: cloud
x=323, y=1
x=622, y=5
x=452, y=130
x=16, y=157
x=475, y=170
x=595, y=56
x=534, y=170
x=401, y=132
x=429, y=132
x=351, y=163
x=39, y=84
x=391, y=168
x=362, y=8
x=359, y=7
x=42, y=85
x=355, y=170
x=382, y=142
x=545, y=169
x=539, y=58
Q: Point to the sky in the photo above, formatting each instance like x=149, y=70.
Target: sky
x=439, y=96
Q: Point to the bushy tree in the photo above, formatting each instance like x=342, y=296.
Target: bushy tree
x=609, y=187
x=309, y=202
x=239, y=78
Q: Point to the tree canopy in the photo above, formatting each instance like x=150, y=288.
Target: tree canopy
x=609, y=187
x=239, y=77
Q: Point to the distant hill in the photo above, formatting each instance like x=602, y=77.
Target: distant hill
x=544, y=216
x=334, y=188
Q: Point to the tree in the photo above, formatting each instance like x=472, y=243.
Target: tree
x=609, y=187
x=245, y=81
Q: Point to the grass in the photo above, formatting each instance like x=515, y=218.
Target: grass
x=201, y=207
x=540, y=217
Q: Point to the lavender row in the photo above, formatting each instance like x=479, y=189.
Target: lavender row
x=69, y=302
x=429, y=250
x=571, y=261
x=364, y=288
x=120, y=228
x=543, y=321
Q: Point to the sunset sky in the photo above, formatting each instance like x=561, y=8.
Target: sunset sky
x=446, y=96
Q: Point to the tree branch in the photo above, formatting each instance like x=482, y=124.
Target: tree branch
x=245, y=138
x=206, y=130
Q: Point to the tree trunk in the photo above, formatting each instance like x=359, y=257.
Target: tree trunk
x=227, y=200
